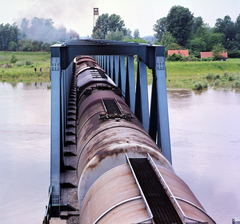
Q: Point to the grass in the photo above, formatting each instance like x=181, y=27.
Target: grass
x=23, y=69
x=193, y=75
x=180, y=75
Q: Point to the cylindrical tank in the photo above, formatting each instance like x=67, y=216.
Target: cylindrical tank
x=107, y=130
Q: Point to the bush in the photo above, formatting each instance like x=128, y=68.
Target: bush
x=27, y=47
x=217, y=82
x=234, y=54
x=206, y=59
x=28, y=62
x=174, y=57
x=226, y=74
x=13, y=59
x=210, y=76
x=200, y=85
x=45, y=47
x=217, y=58
x=19, y=64
x=237, y=84
x=231, y=77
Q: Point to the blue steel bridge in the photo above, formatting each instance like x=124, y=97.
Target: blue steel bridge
x=117, y=60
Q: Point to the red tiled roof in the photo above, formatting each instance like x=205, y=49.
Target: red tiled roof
x=183, y=53
x=224, y=54
x=210, y=54
x=206, y=55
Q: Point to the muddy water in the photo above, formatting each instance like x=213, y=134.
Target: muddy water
x=205, y=137
x=24, y=149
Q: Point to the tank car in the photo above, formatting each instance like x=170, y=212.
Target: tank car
x=110, y=140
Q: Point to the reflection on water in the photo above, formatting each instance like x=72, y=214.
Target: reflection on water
x=25, y=145
x=205, y=138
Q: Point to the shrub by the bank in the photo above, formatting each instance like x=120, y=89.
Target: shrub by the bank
x=200, y=85
x=178, y=57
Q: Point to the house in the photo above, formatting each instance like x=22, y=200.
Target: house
x=183, y=53
x=210, y=55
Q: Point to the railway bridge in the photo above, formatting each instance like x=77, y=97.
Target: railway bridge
x=128, y=65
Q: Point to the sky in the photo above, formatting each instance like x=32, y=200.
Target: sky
x=137, y=14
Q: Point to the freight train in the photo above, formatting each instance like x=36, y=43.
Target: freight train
x=122, y=175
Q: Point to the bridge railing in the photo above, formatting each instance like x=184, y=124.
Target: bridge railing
x=117, y=59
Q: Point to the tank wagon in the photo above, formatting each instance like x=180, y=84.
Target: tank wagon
x=122, y=175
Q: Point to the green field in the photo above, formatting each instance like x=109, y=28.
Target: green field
x=200, y=75
x=24, y=69
x=180, y=75
x=219, y=74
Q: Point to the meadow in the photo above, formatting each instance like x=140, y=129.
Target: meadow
x=202, y=74
x=180, y=75
x=23, y=70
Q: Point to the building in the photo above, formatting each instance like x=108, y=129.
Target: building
x=183, y=53
x=210, y=55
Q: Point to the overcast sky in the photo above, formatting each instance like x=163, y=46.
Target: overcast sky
x=137, y=14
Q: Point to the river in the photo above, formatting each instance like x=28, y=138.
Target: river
x=205, y=139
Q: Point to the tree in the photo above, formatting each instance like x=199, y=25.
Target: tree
x=237, y=25
x=197, y=23
x=129, y=33
x=160, y=28
x=217, y=49
x=8, y=33
x=115, y=35
x=13, y=46
x=227, y=27
x=216, y=38
x=197, y=45
x=136, y=34
x=106, y=23
x=174, y=46
x=179, y=23
x=167, y=40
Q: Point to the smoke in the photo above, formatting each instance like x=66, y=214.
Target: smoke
x=41, y=29
x=75, y=15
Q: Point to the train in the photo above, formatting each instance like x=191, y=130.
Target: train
x=123, y=177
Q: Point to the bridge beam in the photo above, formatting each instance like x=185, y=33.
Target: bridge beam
x=55, y=128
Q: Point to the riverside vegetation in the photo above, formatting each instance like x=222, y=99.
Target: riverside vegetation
x=20, y=66
x=198, y=75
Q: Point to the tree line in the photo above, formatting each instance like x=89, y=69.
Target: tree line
x=37, y=34
x=178, y=30
x=181, y=30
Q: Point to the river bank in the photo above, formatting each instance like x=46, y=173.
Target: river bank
x=180, y=75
